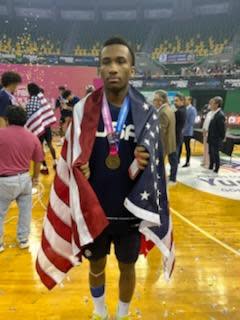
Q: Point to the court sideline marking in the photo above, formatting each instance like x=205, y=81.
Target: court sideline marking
x=205, y=233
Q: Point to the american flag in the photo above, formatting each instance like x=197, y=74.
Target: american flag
x=40, y=114
x=75, y=217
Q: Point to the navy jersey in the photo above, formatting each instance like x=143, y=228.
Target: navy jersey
x=112, y=186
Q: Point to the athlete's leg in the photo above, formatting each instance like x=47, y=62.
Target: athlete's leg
x=96, y=254
x=127, y=251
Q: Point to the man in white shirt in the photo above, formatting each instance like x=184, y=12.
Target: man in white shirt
x=205, y=162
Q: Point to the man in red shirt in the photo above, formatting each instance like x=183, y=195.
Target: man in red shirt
x=17, y=148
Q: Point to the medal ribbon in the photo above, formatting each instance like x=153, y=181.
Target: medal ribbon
x=114, y=137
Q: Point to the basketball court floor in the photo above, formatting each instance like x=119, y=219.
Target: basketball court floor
x=205, y=284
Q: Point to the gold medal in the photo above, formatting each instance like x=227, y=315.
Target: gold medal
x=113, y=162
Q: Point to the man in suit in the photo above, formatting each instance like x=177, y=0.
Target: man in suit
x=191, y=114
x=10, y=81
x=167, y=121
x=180, y=114
x=168, y=129
x=216, y=133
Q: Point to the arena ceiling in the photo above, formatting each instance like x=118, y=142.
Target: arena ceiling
x=165, y=8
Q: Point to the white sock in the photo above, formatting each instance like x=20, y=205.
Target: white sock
x=99, y=306
x=123, y=309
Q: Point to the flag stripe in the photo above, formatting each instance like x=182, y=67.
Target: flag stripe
x=40, y=115
x=58, y=206
x=46, y=279
x=60, y=227
x=55, y=239
x=55, y=258
x=62, y=170
x=61, y=190
x=64, y=150
x=51, y=271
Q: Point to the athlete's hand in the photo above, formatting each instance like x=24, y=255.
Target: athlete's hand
x=85, y=170
x=142, y=157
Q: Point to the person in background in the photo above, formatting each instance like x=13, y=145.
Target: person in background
x=69, y=100
x=9, y=81
x=168, y=130
x=216, y=133
x=58, y=104
x=205, y=127
x=180, y=114
x=18, y=147
x=191, y=114
x=59, y=99
x=34, y=90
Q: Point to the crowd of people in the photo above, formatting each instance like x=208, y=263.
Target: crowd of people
x=177, y=128
x=216, y=70
x=114, y=151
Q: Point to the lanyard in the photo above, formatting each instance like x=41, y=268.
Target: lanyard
x=114, y=137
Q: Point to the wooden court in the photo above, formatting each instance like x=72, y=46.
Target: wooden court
x=205, y=285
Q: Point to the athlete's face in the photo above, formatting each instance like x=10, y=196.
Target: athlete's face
x=116, y=67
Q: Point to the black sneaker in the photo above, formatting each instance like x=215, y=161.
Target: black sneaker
x=186, y=165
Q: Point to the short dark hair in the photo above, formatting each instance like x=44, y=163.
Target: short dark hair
x=66, y=94
x=33, y=89
x=9, y=78
x=16, y=116
x=61, y=88
x=120, y=41
x=180, y=96
x=219, y=101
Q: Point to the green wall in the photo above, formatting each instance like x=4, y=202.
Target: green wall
x=232, y=103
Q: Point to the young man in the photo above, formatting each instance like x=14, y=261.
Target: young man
x=9, y=81
x=216, y=133
x=18, y=147
x=34, y=105
x=113, y=142
x=191, y=114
